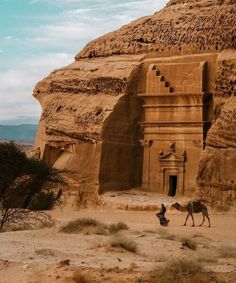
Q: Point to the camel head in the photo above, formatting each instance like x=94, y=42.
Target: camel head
x=176, y=206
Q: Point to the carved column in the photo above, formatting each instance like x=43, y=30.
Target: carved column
x=146, y=144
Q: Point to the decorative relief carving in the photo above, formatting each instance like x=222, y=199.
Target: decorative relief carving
x=146, y=143
x=171, y=154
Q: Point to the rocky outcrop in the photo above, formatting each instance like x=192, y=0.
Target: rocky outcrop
x=217, y=173
x=181, y=27
x=91, y=113
x=217, y=178
x=89, y=123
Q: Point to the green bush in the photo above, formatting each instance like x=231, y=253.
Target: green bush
x=24, y=183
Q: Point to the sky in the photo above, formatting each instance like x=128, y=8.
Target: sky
x=37, y=36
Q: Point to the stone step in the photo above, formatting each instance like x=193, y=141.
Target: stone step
x=161, y=78
x=161, y=85
x=167, y=84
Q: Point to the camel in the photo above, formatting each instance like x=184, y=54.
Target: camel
x=193, y=207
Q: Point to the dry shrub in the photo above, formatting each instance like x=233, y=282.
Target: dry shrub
x=227, y=251
x=81, y=277
x=223, y=207
x=25, y=219
x=150, y=231
x=98, y=230
x=191, y=244
x=164, y=235
x=45, y=252
x=84, y=224
x=91, y=226
x=124, y=243
x=198, y=235
x=180, y=271
x=206, y=258
x=162, y=258
x=14, y=228
x=116, y=227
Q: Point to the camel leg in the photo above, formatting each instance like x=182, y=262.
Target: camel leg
x=208, y=218
x=192, y=219
x=203, y=220
x=186, y=219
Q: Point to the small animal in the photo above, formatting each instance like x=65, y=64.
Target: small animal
x=194, y=207
x=161, y=215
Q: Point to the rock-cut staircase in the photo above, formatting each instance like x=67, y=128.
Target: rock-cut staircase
x=156, y=83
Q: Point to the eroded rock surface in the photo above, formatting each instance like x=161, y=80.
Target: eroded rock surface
x=217, y=169
x=89, y=112
x=92, y=113
x=184, y=26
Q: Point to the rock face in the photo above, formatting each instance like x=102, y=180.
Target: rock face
x=140, y=101
x=216, y=177
x=89, y=123
x=191, y=26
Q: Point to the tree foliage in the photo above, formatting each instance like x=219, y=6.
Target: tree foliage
x=25, y=184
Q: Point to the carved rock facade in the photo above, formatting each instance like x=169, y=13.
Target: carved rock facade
x=136, y=106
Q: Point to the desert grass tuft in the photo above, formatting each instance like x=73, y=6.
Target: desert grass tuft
x=45, y=252
x=92, y=226
x=198, y=235
x=165, y=235
x=189, y=243
x=226, y=251
x=149, y=231
x=81, y=277
x=124, y=243
x=205, y=258
x=84, y=224
x=116, y=227
x=180, y=271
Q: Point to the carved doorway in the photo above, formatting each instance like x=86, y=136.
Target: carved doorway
x=173, y=181
x=172, y=171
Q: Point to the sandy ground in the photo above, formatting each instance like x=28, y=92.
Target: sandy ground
x=34, y=255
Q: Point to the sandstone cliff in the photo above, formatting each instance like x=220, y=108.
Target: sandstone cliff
x=91, y=113
x=190, y=26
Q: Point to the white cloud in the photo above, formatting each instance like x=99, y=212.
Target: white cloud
x=8, y=37
x=78, y=25
x=17, y=84
x=32, y=2
x=64, y=33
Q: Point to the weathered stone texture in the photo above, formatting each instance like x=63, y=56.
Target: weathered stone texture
x=181, y=27
x=89, y=117
x=217, y=169
x=94, y=117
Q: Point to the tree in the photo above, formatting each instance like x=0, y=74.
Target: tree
x=26, y=185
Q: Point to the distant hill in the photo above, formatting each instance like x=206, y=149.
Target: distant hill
x=23, y=133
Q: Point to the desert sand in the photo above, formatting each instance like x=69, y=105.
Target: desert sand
x=35, y=255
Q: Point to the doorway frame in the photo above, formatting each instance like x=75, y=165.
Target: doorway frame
x=172, y=165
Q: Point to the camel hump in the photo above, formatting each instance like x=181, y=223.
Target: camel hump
x=196, y=206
